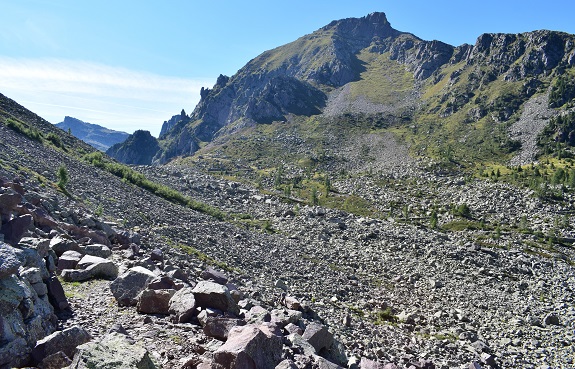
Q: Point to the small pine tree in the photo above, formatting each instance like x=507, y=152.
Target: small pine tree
x=63, y=177
x=327, y=184
x=314, y=197
x=433, y=220
x=406, y=212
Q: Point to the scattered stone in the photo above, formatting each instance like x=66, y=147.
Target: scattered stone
x=248, y=347
x=551, y=319
x=281, y=285
x=69, y=260
x=154, y=301
x=157, y=255
x=220, y=327
x=183, y=305
x=292, y=328
x=292, y=303
x=214, y=275
x=98, y=250
x=318, y=336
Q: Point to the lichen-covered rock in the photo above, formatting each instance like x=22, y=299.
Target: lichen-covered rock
x=114, y=351
x=65, y=341
x=24, y=318
x=9, y=262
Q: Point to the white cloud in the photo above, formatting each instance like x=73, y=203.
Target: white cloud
x=114, y=97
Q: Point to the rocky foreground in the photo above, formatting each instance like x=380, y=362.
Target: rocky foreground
x=112, y=272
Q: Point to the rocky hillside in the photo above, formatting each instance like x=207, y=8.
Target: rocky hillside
x=227, y=265
x=371, y=81
x=95, y=135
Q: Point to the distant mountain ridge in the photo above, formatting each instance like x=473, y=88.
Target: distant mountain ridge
x=99, y=137
x=362, y=71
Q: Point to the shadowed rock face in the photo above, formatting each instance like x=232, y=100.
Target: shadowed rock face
x=138, y=149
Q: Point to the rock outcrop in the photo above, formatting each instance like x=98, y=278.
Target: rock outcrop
x=138, y=149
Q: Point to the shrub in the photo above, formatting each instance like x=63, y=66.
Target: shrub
x=55, y=139
x=23, y=128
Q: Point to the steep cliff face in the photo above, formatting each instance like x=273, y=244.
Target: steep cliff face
x=168, y=125
x=138, y=149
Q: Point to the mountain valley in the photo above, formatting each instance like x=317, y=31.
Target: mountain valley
x=359, y=198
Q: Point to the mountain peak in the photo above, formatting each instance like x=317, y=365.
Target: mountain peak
x=368, y=27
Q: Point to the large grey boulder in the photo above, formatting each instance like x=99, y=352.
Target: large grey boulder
x=65, y=341
x=15, y=229
x=9, y=262
x=128, y=286
x=41, y=245
x=214, y=295
x=114, y=351
x=248, y=347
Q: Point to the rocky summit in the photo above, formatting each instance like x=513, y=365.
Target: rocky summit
x=359, y=198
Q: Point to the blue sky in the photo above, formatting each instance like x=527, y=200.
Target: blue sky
x=130, y=65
